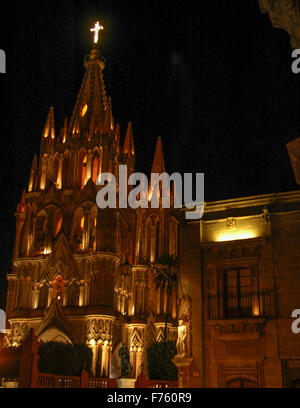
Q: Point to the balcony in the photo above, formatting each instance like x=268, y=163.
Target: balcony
x=260, y=304
x=240, y=316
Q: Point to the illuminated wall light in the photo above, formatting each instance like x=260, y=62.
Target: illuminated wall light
x=92, y=342
x=233, y=235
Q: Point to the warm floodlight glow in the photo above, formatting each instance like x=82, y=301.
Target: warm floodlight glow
x=83, y=110
x=92, y=342
x=96, y=30
x=233, y=235
x=82, y=222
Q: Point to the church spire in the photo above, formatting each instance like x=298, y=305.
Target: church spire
x=158, y=165
x=92, y=104
x=117, y=137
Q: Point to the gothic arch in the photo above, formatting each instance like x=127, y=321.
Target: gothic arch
x=66, y=169
x=173, y=244
x=55, y=166
x=54, y=334
x=78, y=228
x=148, y=234
x=58, y=287
x=73, y=293
x=57, y=222
x=81, y=168
x=59, y=270
x=43, y=294
x=157, y=239
x=40, y=232
x=95, y=165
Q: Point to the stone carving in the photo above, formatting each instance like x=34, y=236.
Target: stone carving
x=99, y=329
x=247, y=329
x=125, y=361
x=185, y=332
x=180, y=345
x=265, y=216
x=230, y=223
x=136, y=342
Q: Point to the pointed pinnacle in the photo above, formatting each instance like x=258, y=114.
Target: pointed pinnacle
x=128, y=146
x=21, y=208
x=158, y=165
x=117, y=136
x=64, y=131
x=49, y=128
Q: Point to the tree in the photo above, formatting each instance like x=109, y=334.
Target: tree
x=160, y=365
x=166, y=271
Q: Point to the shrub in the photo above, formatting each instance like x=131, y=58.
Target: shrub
x=160, y=365
x=64, y=359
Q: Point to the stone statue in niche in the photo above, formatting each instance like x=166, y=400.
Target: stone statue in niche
x=181, y=348
x=184, y=340
x=125, y=361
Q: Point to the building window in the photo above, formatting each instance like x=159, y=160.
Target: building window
x=237, y=293
x=58, y=288
x=43, y=300
x=148, y=240
x=81, y=170
x=95, y=168
x=73, y=294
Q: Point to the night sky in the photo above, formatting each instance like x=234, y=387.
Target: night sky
x=212, y=78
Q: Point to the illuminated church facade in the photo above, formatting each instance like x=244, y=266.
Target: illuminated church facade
x=80, y=273
x=103, y=277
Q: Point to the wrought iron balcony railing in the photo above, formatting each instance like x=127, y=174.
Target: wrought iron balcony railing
x=241, y=305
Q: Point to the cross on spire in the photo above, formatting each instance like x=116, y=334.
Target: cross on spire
x=97, y=27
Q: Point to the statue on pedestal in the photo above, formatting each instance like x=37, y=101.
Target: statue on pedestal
x=181, y=348
x=125, y=361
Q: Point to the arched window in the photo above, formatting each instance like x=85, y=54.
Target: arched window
x=173, y=239
x=95, y=167
x=57, y=222
x=65, y=170
x=157, y=240
x=40, y=231
x=78, y=228
x=43, y=298
x=93, y=228
x=55, y=169
x=58, y=288
x=148, y=240
x=81, y=169
x=96, y=289
x=73, y=295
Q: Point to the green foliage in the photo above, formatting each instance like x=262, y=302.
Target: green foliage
x=160, y=365
x=64, y=359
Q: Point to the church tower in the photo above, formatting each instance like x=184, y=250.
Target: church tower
x=82, y=274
